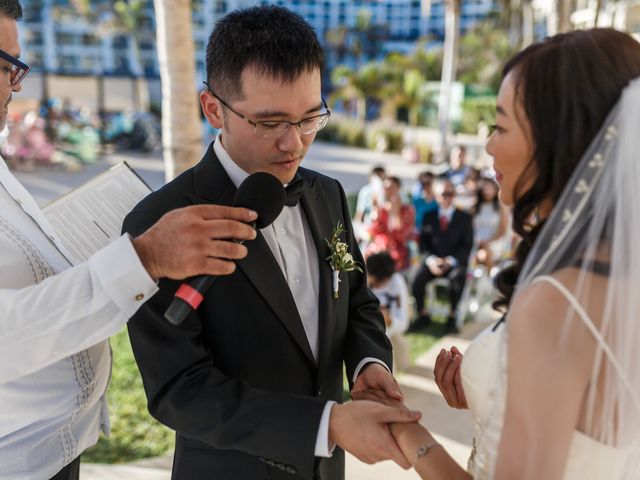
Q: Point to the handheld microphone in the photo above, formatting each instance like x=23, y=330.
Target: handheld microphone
x=261, y=192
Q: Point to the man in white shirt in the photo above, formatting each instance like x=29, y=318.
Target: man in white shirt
x=252, y=381
x=54, y=357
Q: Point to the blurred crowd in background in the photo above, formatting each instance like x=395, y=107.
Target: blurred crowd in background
x=61, y=134
x=433, y=247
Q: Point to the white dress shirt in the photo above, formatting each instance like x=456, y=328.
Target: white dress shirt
x=448, y=214
x=54, y=360
x=291, y=243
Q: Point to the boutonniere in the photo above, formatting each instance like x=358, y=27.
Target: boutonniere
x=340, y=259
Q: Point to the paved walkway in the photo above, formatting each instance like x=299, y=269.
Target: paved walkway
x=451, y=427
x=348, y=164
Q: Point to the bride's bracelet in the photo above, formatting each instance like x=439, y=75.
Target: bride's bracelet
x=424, y=449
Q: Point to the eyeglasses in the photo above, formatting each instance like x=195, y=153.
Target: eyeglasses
x=18, y=69
x=448, y=194
x=277, y=128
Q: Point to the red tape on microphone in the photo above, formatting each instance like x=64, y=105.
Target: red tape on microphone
x=189, y=295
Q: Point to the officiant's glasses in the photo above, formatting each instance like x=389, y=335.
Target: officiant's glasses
x=17, y=71
x=277, y=128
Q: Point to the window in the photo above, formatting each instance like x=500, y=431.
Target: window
x=120, y=42
x=64, y=38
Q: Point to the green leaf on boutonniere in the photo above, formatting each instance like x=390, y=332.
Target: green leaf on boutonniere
x=340, y=259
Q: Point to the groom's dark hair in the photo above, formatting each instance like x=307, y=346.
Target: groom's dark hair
x=273, y=40
x=11, y=9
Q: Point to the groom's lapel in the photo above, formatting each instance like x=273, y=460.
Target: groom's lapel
x=314, y=203
x=212, y=185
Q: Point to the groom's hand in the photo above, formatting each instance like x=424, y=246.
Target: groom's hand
x=379, y=396
x=375, y=377
x=362, y=429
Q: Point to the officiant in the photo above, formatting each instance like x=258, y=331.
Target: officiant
x=55, y=361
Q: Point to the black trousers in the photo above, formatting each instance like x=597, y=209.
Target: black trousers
x=457, y=276
x=70, y=472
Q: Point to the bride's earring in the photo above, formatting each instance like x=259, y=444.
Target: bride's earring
x=536, y=215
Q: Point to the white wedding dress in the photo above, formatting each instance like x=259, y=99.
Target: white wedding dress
x=484, y=380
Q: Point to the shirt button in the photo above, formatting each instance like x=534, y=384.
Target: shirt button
x=297, y=279
x=283, y=231
x=139, y=297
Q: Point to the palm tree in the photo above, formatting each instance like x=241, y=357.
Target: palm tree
x=482, y=53
x=181, y=127
x=359, y=85
x=560, y=18
x=449, y=67
x=123, y=17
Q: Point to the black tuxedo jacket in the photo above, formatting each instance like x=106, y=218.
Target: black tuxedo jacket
x=455, y=241
x=237, y=380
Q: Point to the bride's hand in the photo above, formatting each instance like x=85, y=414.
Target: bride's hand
x=448, y=379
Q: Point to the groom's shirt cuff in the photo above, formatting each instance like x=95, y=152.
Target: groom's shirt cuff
x=365, y=362
x=323, y=447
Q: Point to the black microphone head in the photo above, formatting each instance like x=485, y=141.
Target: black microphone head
x=263, y=193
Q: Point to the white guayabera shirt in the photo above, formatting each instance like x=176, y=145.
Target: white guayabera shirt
x=55, y=361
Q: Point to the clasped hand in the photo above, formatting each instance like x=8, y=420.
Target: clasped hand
x=362, y=427
x=377, y=385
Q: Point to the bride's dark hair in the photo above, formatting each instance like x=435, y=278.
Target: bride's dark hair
x=566, y=84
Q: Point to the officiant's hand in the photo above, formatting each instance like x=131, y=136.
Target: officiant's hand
x=195, y=240
x=448, y=378
x=362, y=428
x=375, y=376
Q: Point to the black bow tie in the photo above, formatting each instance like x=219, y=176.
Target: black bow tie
x=294, y=190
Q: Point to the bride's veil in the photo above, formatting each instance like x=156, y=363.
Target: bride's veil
x=594, y=228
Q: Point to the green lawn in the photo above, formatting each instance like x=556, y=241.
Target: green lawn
x=422, y=341
x=134, y=433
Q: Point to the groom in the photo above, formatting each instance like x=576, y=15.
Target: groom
x=252, y=381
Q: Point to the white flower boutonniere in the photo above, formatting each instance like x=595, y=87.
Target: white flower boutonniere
x=340, y=259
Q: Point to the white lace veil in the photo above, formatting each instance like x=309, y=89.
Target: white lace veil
x=595, y=228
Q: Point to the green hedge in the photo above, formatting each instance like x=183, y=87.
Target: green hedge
x=477, y=110
x=356, y=134
x=344, y=132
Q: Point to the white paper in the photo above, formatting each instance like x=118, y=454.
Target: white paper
x=90, y=216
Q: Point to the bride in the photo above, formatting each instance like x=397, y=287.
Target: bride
x=554, y=388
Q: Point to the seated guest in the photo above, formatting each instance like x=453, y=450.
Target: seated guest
x=423, y=200
x=446, y=238
x=370, y=195
x=458, y=168
x=392, y=225
x=490, y=224
x=391, y=289
x=467, y=191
